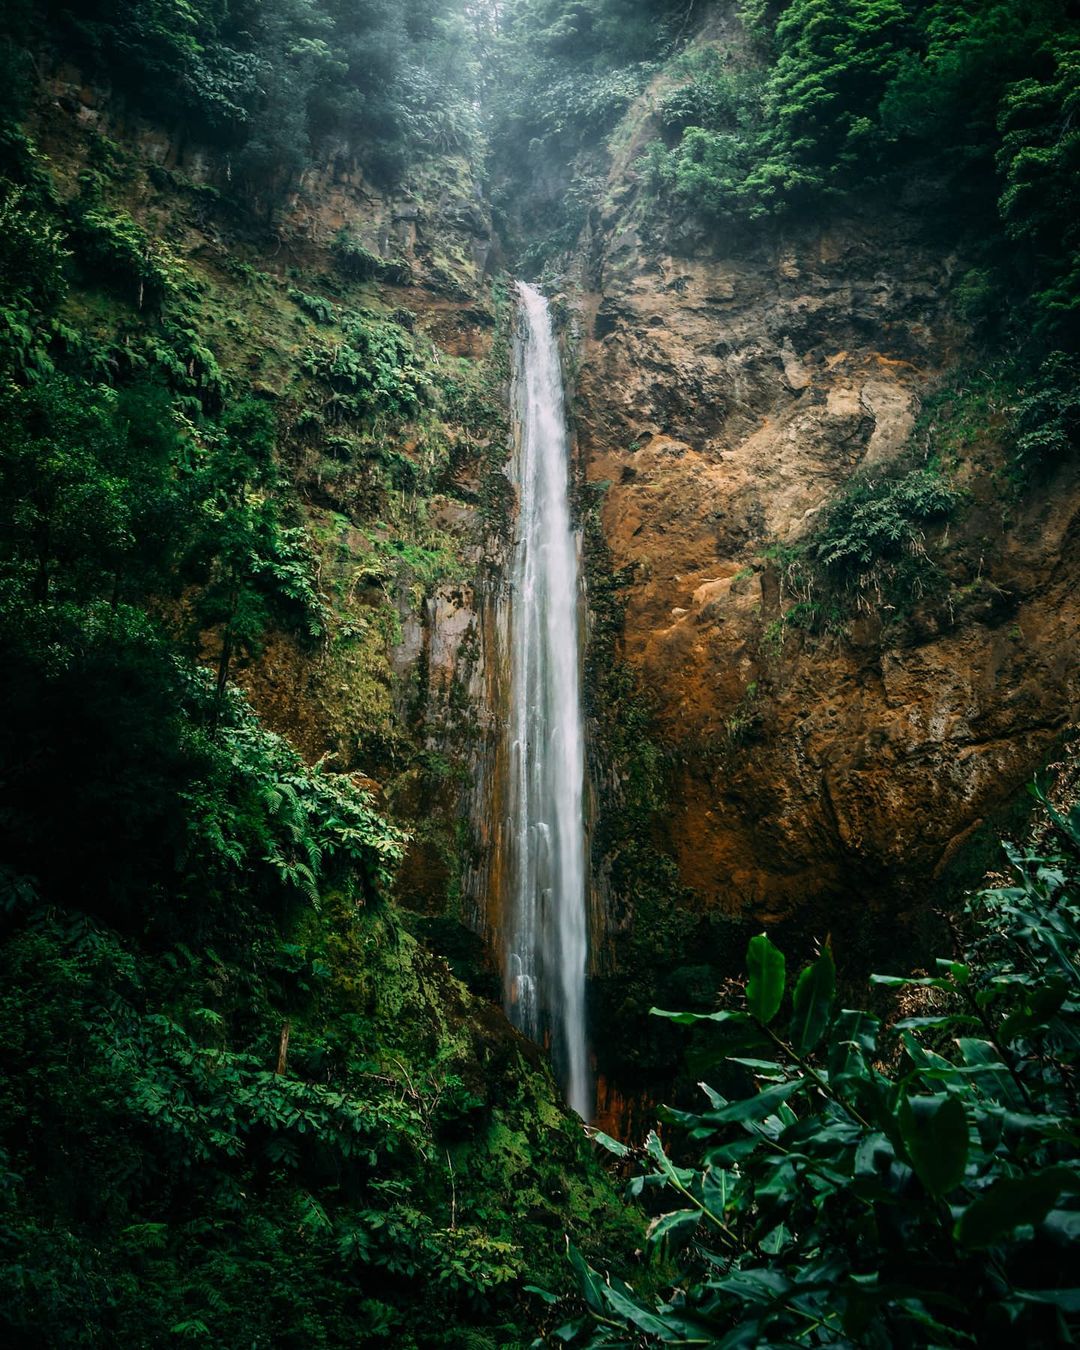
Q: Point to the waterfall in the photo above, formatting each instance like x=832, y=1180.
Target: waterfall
x=545, y=922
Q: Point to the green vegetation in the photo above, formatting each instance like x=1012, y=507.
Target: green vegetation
x=239, y=1104
x=867, y=553
x=567, y=71
x=911, y=1181
x=373, y=370
x=1046, y=419
x=360, y=263
x=877, y=522
x=853, y=98
x=275, y=83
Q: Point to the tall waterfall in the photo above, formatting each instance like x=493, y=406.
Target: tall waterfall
x=545, y=924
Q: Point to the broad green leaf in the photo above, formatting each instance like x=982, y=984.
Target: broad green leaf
x=812, y=1002
x=926, y=1061
x=620, y=1299
x=853, y=1038
x=765, y=986
x=939, y=1335
x=763, y=1068
x=715, y=1188
x=1068, y=1300
x=612, y=1145
x=1010, y=1202
x=758, y=1106
x=983, y=1063
x=935, y=1134
x=1064, y=1226
x=1041, y=1003
x=590, y=1284
x=779, y=1187
x=774, y=1240
x=979, y=1053
x=902, y=981
x=547, y=1297
x=755, y=1286
x=677, y=1226
x=688, y=1019
x=936, y=1020
x=655, y=1149
x=874, y=1153
x=730, y=1154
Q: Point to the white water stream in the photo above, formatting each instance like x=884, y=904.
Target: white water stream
x=546, y=928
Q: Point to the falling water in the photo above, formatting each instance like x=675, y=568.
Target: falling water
x=545, y=923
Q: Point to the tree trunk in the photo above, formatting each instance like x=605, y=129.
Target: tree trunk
x=283, y=1048
x=224, y=661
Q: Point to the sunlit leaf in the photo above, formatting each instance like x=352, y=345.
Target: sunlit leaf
x=765, y=984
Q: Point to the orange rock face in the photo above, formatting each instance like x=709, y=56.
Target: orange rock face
x=724, y=400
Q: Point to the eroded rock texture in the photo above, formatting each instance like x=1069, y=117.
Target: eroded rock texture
x=726, y=392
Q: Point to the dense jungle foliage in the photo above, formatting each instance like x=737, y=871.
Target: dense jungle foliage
x=273, y=83
x=240, y=1104
x=911, y=1182
x=968, y=105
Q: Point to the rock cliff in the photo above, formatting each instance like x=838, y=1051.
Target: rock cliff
x=729, y=389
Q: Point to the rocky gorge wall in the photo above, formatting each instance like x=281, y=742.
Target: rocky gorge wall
x=409, y=516
x=723, y=402
x=727, y=391
x=767, y=749
x=747, y=768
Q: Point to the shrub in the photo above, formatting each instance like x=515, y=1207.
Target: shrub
x=322, y=311
x=908, y=1185
x=872, y=538
x=376, y=369
x=1047, y=417
x=116, y=248
x=358, y=262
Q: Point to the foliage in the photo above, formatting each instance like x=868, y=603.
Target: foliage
x=861, y=94
x=879, y=521
x=717, y=97
x=214, y=893
x=907, y=1184
x=749, y=147
x=867, y=551
x=87, y=491
x=32, y=249
x=1027, y=407
x=832, y=67
x=322, y=311
x=358, y=262
x=276, y=82
x=33, y=280
x=238, y=1103
x=111, y=245
x=1046, y=418
x=1038, y=158
x=375, y=369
